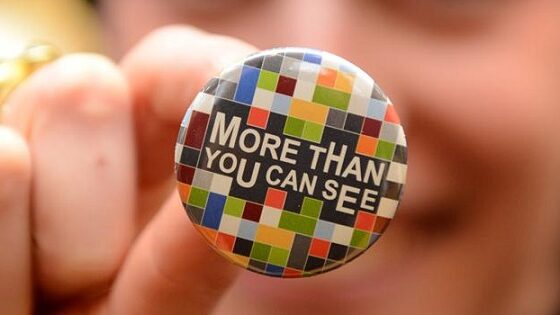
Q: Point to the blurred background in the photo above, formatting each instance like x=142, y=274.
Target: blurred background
x=72, y=25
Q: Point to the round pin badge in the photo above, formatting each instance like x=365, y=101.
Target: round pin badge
x=291, y=162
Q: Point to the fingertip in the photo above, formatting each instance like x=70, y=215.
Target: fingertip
x=171, y=64
x=83, y=83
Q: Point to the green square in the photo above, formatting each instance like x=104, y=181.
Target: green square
x=385, y=150
x=360, y=239
x=198, y=197
x=268, y=80
x=234, y=206
x=311, y=207
x=293, y=127
x=260, y=251
x=297, y=223
x=312, y=132
x=330, y=97
x=278, y=256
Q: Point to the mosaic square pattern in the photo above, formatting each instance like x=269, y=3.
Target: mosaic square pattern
x=291, y=163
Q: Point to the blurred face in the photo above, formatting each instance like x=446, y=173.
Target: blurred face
x=476, y=85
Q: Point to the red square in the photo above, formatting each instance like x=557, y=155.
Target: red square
x=196, y=129
x=381, y=224
x=365, y=221
x=319, y=248
x=391, y=115
x=258, y=117
x=252, y=211
x=286, y=85
x=275, y=198
x=291, y=273
x=225, y=241
x=185, y=174
x=371, y=127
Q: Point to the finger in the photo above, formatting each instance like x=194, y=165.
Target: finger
x=165, y=72
x=171, y=270
x=15, y=242
x=77, y=116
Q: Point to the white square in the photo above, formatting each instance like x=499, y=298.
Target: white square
x=270, y=216
x=401, y=139
x=309, y=72
x=229, y=224
x=263, y=98
x=387, y=208
x=178, y=152
x=231, y=74
x=363, y=86
x=220, y=184
x=290, y=67
x=204, y=103
x=304, y=90
x=331, y=63
x=358, y=105
x=397, y=173
x=342, y=234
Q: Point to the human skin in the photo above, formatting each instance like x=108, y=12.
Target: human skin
x=475, y=84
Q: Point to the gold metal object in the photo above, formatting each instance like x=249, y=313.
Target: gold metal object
x=14, y=71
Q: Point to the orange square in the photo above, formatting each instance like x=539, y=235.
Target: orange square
x=275, y=198
x=184, y=191
x=258, y=117
x=365, y=221
x=366, y=145
x=208, y=234
x=225, y=241
x=391, y=115
x=319, y=248
x=327, y=77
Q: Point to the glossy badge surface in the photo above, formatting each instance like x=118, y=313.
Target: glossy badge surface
x=291, y=163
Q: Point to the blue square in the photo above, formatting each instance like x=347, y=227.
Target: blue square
x=213, y=212
x=274, y=270
x=373, y=238
x=247, y=85
x=312, y=58
x=348, y=68
x=247, y=229
x=376, y=109
x=281, y=104
x=324, y=230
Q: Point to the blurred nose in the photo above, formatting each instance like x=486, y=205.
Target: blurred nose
x=313, y=24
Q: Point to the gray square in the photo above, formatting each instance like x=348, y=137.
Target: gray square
x=273, y=63
x=336, y=118
x=389, y=132
x=202, y=179
x=247, y=229
x=226, y=89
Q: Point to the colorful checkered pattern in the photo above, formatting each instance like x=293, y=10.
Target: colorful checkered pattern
x=305, y=95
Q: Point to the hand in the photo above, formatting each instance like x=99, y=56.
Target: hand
x=89, y=218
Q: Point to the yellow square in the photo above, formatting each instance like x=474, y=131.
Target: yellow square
x=309, y=111
x=344, y=82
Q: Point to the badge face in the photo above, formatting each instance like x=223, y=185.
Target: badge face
x=291, y=163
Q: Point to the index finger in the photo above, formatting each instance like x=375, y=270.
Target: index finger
x=170, y=269
x=165, y=71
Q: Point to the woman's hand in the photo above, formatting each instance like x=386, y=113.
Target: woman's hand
x=89, y=218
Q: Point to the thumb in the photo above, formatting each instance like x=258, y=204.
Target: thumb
x=171, y=270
